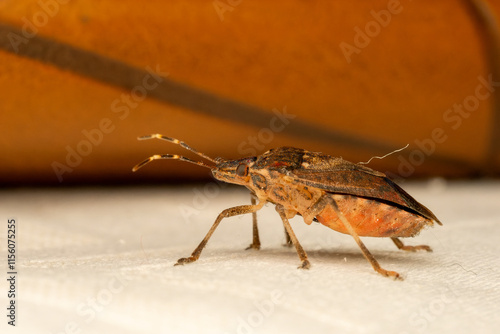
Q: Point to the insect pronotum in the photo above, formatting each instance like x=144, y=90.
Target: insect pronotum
x=347, y=197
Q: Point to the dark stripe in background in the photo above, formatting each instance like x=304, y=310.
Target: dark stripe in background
x=119, y=74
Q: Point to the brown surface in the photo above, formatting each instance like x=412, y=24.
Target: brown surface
x=263, y=54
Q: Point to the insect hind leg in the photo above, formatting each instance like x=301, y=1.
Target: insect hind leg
x=402, y=246
x=325, y=201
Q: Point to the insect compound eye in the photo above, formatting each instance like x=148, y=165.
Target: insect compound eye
x=242, y=170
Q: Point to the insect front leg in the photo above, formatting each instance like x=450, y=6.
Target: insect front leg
x=327, y=200
x=255, y=229
x=402, y=246
x=300, y=251
x=235, y=211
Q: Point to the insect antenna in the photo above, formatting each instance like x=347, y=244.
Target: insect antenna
x=178, y=142
x=169, y=156
x=173, y=156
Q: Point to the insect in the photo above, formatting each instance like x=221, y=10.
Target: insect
x=346, y=197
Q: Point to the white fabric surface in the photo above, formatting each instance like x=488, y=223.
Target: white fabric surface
x=101, y=261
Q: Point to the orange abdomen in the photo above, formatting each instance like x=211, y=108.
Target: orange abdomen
x=371, y=218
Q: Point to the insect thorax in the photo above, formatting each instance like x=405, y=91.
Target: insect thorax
x=276, y=187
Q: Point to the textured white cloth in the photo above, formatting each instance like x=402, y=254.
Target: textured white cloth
x=101, y=261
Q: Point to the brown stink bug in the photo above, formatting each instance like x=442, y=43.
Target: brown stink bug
x=347, y=197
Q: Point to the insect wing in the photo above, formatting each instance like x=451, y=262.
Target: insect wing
x=339, y=176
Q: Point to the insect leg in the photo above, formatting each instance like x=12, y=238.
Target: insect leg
x=366, y=253
x=237, y=210
x=288, y=242
x=255, y=231
x=300, y=251
x=402, y=246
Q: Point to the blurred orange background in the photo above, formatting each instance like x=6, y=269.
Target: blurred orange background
x=81, y=80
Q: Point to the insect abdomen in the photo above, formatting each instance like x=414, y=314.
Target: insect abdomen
x=371, y=218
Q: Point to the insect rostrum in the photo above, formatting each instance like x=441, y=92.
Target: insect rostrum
x=346, y=197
